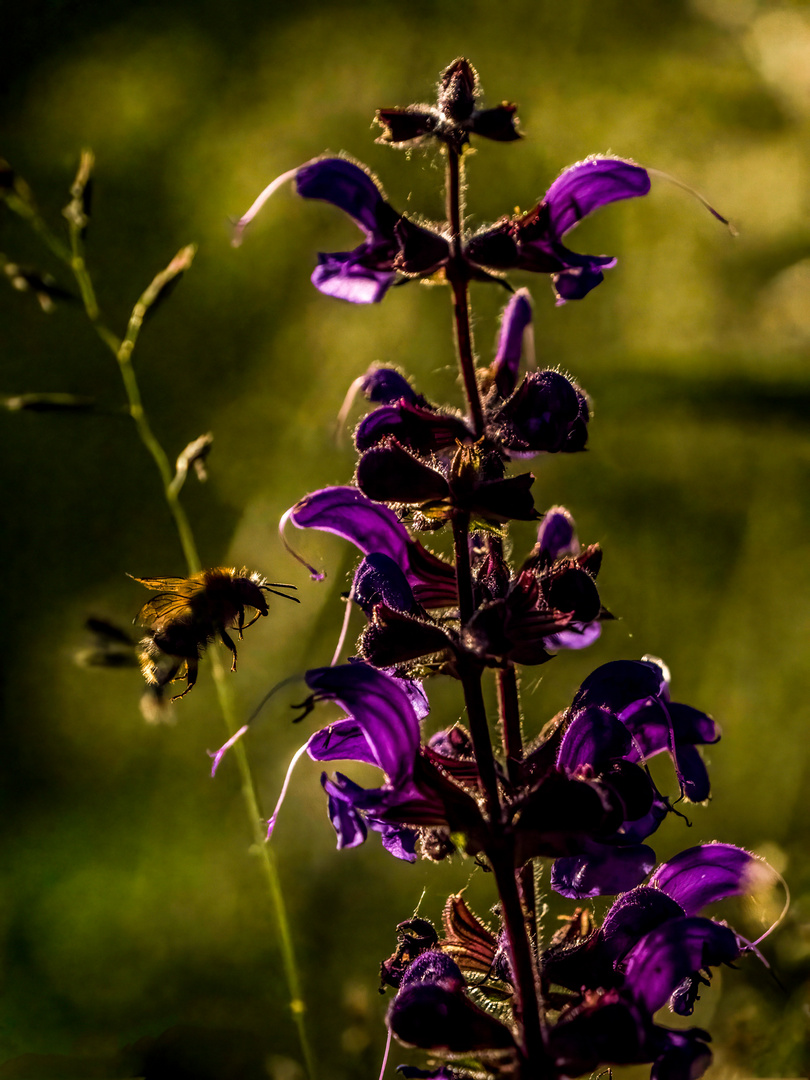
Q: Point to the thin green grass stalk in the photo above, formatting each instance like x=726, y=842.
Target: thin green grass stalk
x=122, y=349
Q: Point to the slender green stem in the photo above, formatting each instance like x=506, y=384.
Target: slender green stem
x=122, y=350
x=268, y=865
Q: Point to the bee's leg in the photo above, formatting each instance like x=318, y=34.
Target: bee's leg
x=240, y=622
x=230, y=645
x=255, y=618
x=191, y=677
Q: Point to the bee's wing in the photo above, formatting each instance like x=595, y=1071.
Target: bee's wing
x=163, y=607
x=168, y=584
x=172, y=601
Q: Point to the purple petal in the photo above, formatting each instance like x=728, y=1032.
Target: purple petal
x=557, y=534
x=345, y=185
x=674, y=952
x=433, y=967
x=347, y=512
x=370, y=526
x=517, y=317
x=692, y=725
x=546, y=414
x=380, y=707
x=348, y=824
x=432, y=1011
x=686, y=1056
x=575, y=282
x=594, y=737
x=700, y=875
x=398, y=840
x=604, y=871
x=418, y=427
x=386, y=387
x=343, y=276
x=620, y=684
x=589, y=184
x=379, y=580
x=342, y=741
x=632, y=916
x=575, y=636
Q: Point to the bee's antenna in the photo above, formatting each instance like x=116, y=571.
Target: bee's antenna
x=274, y=586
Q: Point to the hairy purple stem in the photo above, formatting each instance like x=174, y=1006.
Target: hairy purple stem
x=526, y=998
x=509, y=711
x=459, y=280
x=470, y=670
x=527, y=1005
x=470, y=675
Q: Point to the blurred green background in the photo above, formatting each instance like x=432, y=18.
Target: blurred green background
x=132, y=913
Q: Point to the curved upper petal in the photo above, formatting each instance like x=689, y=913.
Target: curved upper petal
x=708, y=872
x=344, y=185
x=589, y=184
x=380, y=707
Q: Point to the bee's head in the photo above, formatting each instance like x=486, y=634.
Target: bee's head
x=250, y=592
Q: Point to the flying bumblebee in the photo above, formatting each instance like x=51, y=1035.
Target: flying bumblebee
x=189, y=613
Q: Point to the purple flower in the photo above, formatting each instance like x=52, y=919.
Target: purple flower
x=546, y=413
x=382, y=729
x=533, y=241
x=374, y=528
x=432, y=1010
x=393, y=245
x=652, y=943
x=552, y=603
x=637, y=691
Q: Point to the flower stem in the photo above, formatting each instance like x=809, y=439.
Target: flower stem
x=459, y=280
x=527, y=1003
x=122, y=350
x=509, y=711
x=526, y=997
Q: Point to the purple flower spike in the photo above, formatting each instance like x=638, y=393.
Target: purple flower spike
x=700, y=875
x=534, y=241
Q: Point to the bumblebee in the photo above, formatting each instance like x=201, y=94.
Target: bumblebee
x=189, y=613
